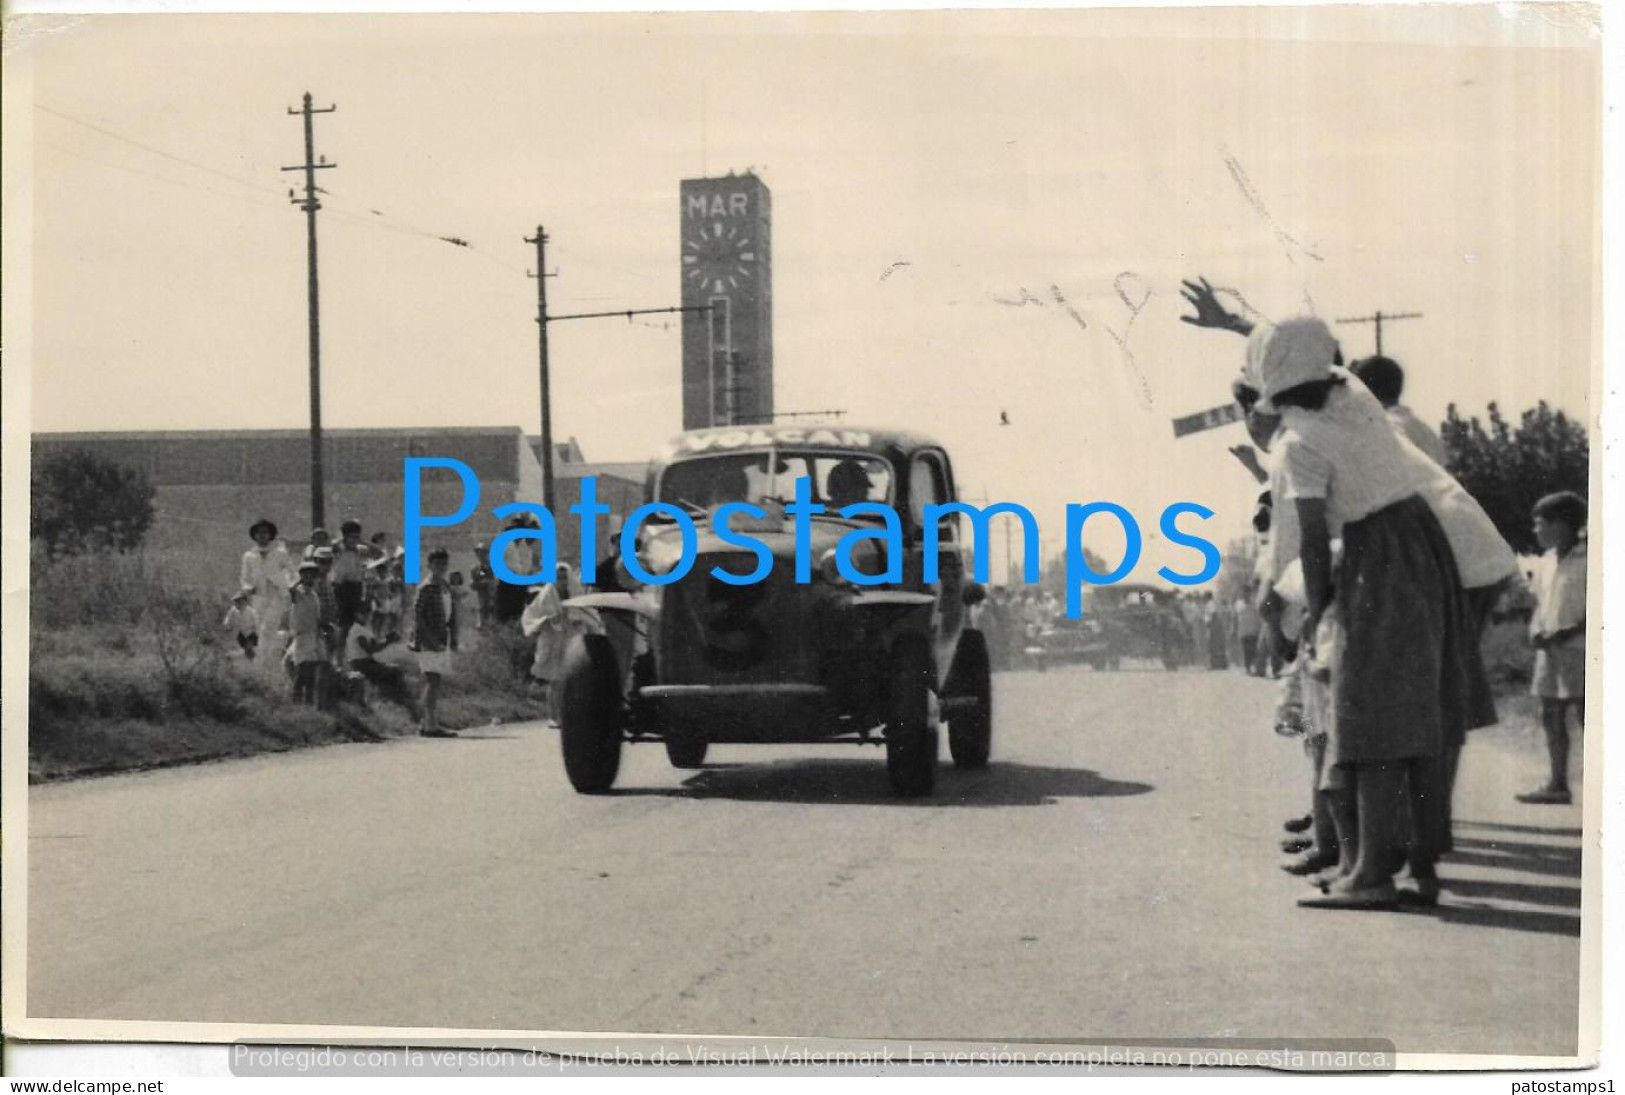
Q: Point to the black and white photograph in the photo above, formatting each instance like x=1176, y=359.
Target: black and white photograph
x=981, y=537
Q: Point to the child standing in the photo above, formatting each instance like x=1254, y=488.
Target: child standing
x=305, y=645
x=242, y=623
x=1557, y=631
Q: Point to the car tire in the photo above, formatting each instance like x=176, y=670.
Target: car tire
x=970, y=728
x=591, y=714
x=686, y=752
x=911, y=737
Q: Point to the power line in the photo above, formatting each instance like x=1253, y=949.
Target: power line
x=160, y=178
x=155, y=151
x=377, y=218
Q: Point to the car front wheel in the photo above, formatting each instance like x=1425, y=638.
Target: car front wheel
x=911, y=738
x=970, y=725
x=591, y=714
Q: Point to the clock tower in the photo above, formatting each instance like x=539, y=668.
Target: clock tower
x=728, y=350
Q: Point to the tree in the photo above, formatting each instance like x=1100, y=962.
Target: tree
x=1508, y=470
x=82, y=502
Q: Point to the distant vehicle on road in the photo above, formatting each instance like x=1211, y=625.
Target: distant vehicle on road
x=710, y=662
x=1141, y=622
x=1065, y=641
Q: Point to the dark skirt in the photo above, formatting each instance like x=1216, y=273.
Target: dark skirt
x=1410, y=682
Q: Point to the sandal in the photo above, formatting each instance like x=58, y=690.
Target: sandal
x=1372, y=898
x=1547, y=796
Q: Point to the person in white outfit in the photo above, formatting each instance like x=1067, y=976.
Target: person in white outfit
x=267, y=570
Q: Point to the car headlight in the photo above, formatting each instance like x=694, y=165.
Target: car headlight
x=830, y=572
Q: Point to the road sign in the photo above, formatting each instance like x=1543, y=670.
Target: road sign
x=1210, y=419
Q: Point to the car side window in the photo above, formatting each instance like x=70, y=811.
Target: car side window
x=927, y=486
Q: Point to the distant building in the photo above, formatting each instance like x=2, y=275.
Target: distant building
x=212, y=484
x=726, y=266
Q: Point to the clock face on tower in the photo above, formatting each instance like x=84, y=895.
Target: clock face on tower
x=721, y=260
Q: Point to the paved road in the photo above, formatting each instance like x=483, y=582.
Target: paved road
x=1112, y=875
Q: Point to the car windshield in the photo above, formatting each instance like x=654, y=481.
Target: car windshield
x=838, y=479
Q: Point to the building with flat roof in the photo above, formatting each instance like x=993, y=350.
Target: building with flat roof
x=212, y=484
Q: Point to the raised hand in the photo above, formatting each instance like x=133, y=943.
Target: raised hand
x=1201, y=295
x=1248, y=457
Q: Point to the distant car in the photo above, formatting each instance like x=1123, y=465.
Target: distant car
x=701, y=661
x=1066, y=641
x=1141, y=622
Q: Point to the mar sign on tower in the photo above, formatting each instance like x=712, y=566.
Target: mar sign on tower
x=727, y=268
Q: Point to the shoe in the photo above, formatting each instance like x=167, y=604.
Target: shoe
x=1425, y=895
x=1292, y=845
x=1298, y=824
x=437, y=733
x=1547, y=796
x=1374, y=898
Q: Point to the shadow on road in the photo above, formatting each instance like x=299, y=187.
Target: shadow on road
x=863, y=782
x=1523, y=920
x=1476, y=902
x=1531, y=830
x=1511, y=855
x=1565, y=896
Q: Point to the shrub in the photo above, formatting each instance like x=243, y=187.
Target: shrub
x=82, y=502
x=101, y=589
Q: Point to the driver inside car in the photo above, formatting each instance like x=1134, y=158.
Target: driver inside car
x=848, y=482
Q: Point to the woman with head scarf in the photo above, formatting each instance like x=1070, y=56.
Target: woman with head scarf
x=544, y=621
x=1406, y=679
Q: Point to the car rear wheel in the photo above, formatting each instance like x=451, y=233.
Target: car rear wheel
x=970, y=725
x=911, y=737
x=686, y=752
x=591, y=714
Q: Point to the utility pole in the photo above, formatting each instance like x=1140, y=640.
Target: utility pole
x=541, y=275
x=1378, y=318
x=310, y=205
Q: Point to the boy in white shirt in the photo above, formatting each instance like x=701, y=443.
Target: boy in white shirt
x=242, y=622
x=1557, y=630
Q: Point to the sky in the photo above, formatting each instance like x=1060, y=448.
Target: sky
x=973, y=213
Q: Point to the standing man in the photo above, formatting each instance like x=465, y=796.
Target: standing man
x=1248, y=626
x=483, y=582
x=434, y=638
x=349, y=578
x=1386, y=380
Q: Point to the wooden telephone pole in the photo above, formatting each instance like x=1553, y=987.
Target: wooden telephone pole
x=310, y=204
x=541, y=275
x=1378, y=319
